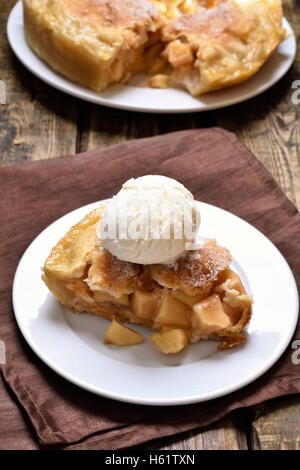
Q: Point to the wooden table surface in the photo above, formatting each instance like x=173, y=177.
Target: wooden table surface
x=38, y=122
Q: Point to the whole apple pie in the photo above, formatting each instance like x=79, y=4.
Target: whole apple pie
x=196, y=296
x=199, y=45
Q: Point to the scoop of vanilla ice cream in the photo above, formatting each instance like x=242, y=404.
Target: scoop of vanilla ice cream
x=150, y=220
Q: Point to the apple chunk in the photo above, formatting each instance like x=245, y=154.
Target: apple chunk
x=170, y=341
x=187, y=299
x=103, y=297
x=172, y=312
x=121, y=335
x=230, y=280
x=144, y=304
x=209, y=316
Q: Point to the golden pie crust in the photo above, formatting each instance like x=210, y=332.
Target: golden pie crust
x=200, y=45
x=199, y=296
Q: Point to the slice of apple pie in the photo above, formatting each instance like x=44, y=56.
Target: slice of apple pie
x=92, y=42
x=221, y=43
x=200, y=45
x=197, y=297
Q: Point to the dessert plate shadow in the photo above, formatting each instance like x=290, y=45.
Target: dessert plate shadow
x=72, y=345
x=134, y=96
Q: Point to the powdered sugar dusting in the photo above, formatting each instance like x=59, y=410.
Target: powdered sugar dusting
x=120, y=12
x=198, y=269
x=115, y=270
x=212, y=21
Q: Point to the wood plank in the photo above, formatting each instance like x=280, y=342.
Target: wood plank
x=269, y=123
x=275, y=425
x=37, y=121
x=107, y=126
x=269, y=126
x=226, y=434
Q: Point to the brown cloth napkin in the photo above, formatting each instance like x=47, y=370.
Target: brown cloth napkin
x=218, y=170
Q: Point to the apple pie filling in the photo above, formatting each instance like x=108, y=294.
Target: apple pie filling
x=197, y=297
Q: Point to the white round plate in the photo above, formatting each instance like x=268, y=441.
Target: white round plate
x=132, y=97
x=72, y=345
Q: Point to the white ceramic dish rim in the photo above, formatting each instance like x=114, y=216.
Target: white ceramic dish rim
x=156, y=99
x=142, y=400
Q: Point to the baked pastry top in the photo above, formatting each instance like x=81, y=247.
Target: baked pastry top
x=200, y=45
x=92, y=42
x=223, y=43
x=199, y=296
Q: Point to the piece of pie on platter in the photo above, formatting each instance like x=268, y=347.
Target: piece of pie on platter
x=199, y=45
x=198, y=297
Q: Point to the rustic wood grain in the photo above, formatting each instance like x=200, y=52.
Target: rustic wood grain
x=275, y=425
x=269, y=125
x=226, y=434
x=39, y=122
x=106, y=126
